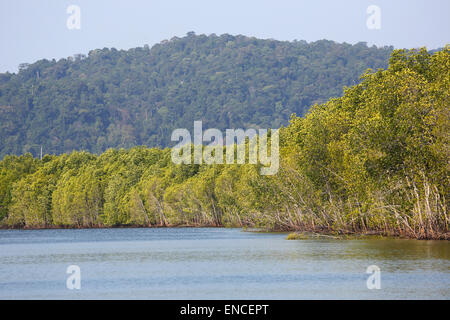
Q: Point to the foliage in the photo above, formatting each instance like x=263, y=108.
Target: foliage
x=372, y=161
x=120, y=99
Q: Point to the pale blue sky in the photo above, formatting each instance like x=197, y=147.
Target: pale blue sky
x=32, y=30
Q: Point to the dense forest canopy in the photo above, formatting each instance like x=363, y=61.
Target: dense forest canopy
x=118, y=98
x=374, y=160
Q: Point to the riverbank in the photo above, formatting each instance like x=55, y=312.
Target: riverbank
x=353, y=236
x=306, y=234
x=124, y=226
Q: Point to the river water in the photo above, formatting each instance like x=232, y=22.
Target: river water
x=214, y=263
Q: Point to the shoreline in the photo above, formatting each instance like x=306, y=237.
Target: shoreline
x=305, y=234
x=111, y=227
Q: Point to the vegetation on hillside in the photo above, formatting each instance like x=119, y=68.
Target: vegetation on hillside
x=120, y=99
x=374, y=160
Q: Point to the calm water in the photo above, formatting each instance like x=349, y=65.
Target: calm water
x=204, y=263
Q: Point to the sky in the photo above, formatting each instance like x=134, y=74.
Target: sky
x=38, y=29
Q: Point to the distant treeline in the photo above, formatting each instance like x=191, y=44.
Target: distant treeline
x=125, y=98
x=375, y=160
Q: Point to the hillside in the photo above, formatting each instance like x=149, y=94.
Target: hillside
x=373, y=161
x=117, y=98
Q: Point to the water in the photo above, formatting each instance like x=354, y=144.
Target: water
x=211, y=263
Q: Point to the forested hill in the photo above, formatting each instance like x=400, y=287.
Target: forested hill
x=117, y=98
x=372, y=161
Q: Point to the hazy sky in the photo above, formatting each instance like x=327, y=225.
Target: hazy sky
x=34, y=29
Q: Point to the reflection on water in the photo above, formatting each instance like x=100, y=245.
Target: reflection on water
x=211, y=263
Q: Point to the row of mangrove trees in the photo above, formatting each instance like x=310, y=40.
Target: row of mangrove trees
x=374, y=160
